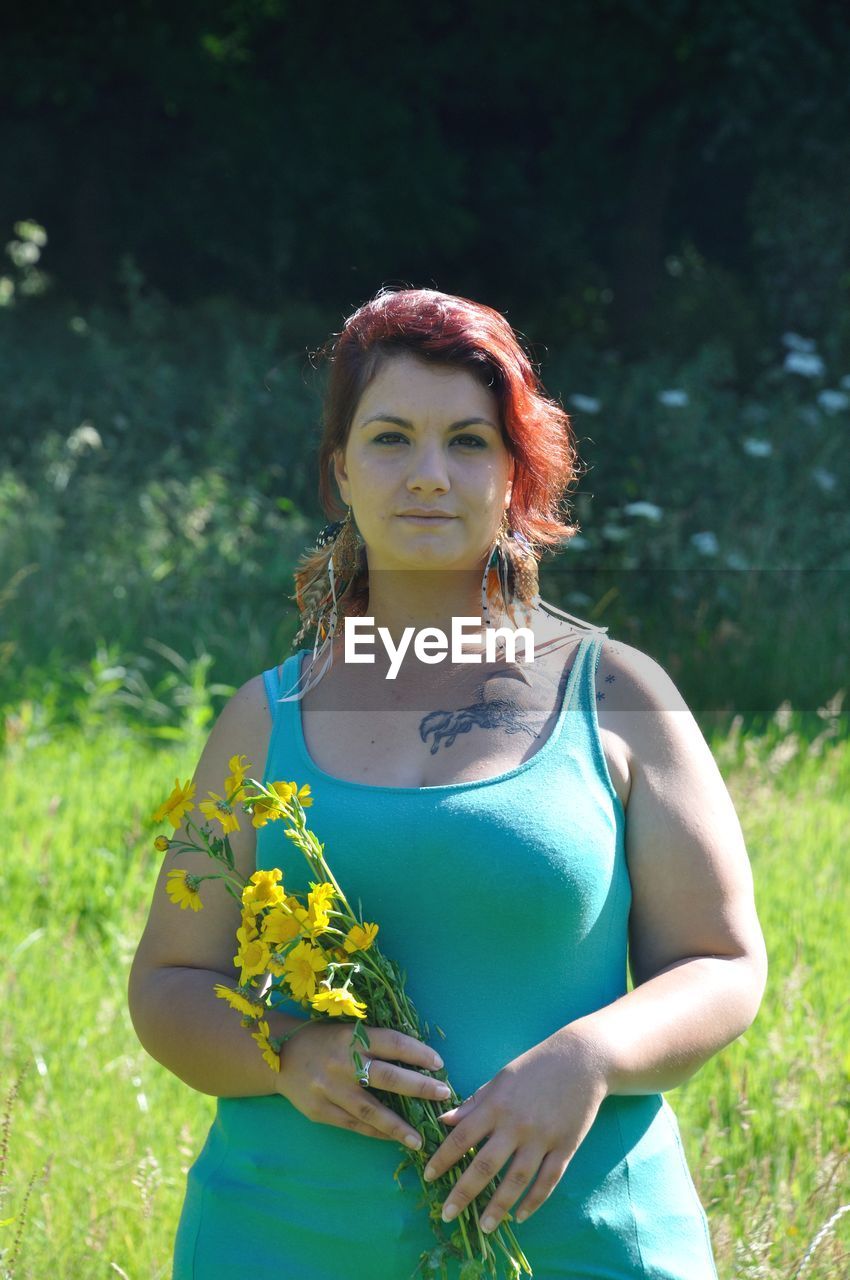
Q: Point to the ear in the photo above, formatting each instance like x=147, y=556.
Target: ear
x=341, y=475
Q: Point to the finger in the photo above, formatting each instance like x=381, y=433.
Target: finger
x=483, y=1169
x=395, y=1045
x=524, y=1166
x=551, y=1172
x=387, y=1076
x=457, y=1143
x=365, y=1107
x=335, y=1115
x=463, y=1108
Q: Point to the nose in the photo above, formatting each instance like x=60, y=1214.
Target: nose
x=428, y=469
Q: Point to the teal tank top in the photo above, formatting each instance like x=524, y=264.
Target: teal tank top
x=506, y=901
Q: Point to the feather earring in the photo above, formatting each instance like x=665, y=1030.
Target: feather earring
x=510, y=576
x=318, y=596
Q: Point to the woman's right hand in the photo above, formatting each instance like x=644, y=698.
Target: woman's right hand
x=318, y=1076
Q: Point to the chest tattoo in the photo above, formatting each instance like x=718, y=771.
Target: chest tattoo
x=493, y=712
x=496, y=713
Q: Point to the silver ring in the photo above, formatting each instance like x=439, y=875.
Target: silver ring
x=363, y=1076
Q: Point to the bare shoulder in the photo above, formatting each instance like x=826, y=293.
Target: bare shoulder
x=246, y=719
x=178, y=937
x=642, y=715
x=629, y=688
x=631, y=681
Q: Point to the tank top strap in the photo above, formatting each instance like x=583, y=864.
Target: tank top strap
x=277, y=681
x=584, y=685
x=271, y=679
x=580, y=735
x=576, y=727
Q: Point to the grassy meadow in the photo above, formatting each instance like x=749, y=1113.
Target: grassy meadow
x=157, y=487
x=96, y=1142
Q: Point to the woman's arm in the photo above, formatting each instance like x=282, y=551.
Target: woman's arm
x=697, y=952
x=183, y=953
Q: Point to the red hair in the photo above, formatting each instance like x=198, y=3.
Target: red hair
x=449, y=330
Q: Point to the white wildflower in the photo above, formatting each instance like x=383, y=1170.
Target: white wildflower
x=794, y=342
x=648, y=510
x=809, y=365
x=674, y=399
x=585, y=404
x=614, y=532
x=578, y=543
x=756, y=448
x=706, y=543
x=83, y=437
x=824, y=479
x=834, y=401
x=735, y=560
x=845, y=381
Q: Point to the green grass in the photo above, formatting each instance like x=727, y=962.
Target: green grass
x=764, y=1124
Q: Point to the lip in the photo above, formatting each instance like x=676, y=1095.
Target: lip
x=425, y=515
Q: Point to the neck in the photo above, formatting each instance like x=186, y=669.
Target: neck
x=418, y=599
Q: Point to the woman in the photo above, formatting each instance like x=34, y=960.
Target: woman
x=513, y=826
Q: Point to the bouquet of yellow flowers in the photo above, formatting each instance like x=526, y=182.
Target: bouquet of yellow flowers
x=324, y=957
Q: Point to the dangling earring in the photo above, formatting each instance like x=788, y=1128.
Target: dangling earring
x=510, y=575
x=318, y=598
x=526, y=583
x=346, y=553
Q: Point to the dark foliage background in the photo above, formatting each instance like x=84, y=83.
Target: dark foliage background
x=195, y=196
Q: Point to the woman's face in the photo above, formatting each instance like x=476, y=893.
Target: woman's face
x=427, y=438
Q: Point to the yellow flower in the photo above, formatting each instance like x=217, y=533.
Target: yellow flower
x=248, y=927
x=360, y=938
x=263, y=890
x=238, y=766
x=177, y=804
x=182, y=889
x=279, y=926
x=263, y=813
x=252, y=957
x=318, y=906
x=301, y=966
x=218, y=808
x=302, y=794
x=336, y=1002
x=237, y=1000
x=162, y=843
x=261, y=1035
x=270, y=809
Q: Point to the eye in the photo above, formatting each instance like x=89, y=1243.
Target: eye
x=390, y=437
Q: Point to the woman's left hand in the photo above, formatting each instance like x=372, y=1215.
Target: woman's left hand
x=538, y=1109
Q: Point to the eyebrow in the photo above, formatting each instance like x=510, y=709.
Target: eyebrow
x=402, y=422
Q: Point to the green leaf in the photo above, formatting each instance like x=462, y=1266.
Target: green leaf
x=360, y=1035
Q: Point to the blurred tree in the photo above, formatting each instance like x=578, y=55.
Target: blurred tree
x=548, y=158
